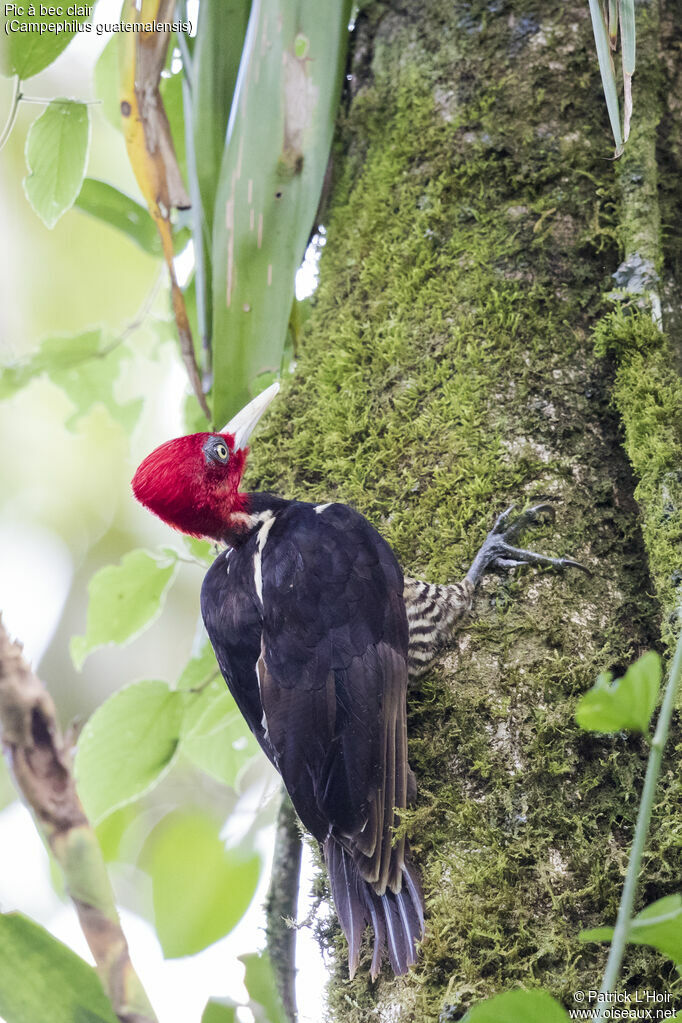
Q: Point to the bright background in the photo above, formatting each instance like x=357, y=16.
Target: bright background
x=66, y=510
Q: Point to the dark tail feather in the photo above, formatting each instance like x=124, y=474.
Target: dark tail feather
x=397, y=920
x=348, y=898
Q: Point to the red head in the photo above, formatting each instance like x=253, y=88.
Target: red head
x=192, y=483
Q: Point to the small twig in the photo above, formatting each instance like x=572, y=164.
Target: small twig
x=40, y=762
x=47, y=100
x=144, y=310
x=13, y=110
x=281, y=904
x=627, y=901
x=199, y=688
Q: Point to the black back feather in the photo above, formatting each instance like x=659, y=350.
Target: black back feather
x=308, y=623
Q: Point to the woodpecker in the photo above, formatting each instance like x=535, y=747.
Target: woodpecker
x=317, y=633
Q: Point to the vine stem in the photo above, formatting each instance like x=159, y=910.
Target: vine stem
x=627, y=901
x=12, y=116
x=40, y=761
x=282, y=904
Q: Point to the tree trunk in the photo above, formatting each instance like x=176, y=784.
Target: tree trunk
x=448, y=371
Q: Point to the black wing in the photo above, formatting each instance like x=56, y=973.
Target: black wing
x=233, y=618
x=332, y=674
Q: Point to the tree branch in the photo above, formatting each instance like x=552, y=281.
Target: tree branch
x=41, y=765
x=281, y=905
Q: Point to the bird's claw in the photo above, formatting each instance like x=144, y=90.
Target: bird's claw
x=498, y=550
x=529, y=517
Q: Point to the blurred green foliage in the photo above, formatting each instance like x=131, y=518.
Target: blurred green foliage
x=659, y=925
x=37, y=971
x=91, y=379
x=627, y=703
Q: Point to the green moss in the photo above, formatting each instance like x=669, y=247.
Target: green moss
x=624, y=333
x=648, y=395
x=446, y=372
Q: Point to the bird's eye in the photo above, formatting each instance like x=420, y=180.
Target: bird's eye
x=221, y=451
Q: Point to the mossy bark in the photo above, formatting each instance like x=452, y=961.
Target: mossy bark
x=448, y=370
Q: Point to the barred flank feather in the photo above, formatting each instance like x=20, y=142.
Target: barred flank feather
x=396, y=919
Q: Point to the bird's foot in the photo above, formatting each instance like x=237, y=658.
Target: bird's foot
x=498, y=550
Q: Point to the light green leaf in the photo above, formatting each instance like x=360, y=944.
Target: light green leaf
x=107, y=84
x=221, y=30
x=170, y=88
x=259, y=980
x=37, y=971
x=124, y=599
x=56, y=156
x=112, y=829
x=220, y=1010
x=270, y=182
x=199, y=671
x=627, y=703
x=30, y=50
x=518, y=1007
x=200, y=889
x=627, y=35
x=127, y=746
x=659, y=925
x=117, y=209
x=91, y=383
x=86, y=367
x=204, y=550
x=608, y=78
x=194, y=417
x=215, y=736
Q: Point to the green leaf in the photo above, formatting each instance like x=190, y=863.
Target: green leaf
x=259, y=980
x=216, y=56
x=128, y=745
x=56, y=156
x=194, y=418
x=627, y=703
x=204, y=550
x=608, y=78
x=117, y=209
x=200, y=670
x=215, y=736
x=30, y=50
x=86, y=367
x=170, y=88
x=200, y=889
x=37, y=971
x=518, y=1007
x=659, y=925
x=91, y=383
x=627, y=35
x=124, y=600
x=220, y=1010
x=612, y=23
x=107, y=83
x=221, y=29
x=112, y=829
x=270, y=183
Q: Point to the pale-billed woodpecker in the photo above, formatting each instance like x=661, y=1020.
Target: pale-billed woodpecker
x=317, y=634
